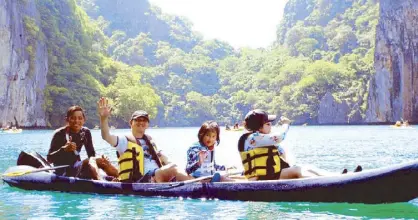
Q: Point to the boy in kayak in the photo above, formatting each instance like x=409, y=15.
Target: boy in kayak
x=66, y=145
x=261, y=154
x=139, y=159
x=201, y=155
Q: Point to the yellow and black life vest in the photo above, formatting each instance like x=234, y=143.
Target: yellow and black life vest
x=260, y=162
x=131, y=162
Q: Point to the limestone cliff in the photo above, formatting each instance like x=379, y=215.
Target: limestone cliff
x=394, y=89
x=23, y=64
x=332, y=111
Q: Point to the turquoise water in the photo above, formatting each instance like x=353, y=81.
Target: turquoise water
x=328, y=147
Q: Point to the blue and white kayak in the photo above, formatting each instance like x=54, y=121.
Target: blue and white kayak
x=398, y=183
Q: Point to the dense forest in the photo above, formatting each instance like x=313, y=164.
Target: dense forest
x=142, y=58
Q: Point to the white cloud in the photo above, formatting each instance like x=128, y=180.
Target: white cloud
x=241, y=23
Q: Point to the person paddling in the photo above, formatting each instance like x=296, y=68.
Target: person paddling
x=67, y=143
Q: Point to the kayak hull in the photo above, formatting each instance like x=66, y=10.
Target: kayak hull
x=384, y=185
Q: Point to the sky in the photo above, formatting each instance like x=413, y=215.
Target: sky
x=241, y=23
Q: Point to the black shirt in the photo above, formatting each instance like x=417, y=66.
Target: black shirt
x=58, y=156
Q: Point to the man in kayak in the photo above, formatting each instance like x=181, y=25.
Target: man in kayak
x=261, y=155
x=139, y=159
x=67, y=143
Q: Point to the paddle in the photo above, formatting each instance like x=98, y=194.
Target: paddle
x=177, y=184
x=20, y=173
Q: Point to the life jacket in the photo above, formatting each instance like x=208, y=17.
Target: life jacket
x=131, y=162
x=260, y=162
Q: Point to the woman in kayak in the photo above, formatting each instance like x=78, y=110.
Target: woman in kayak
x=201, y=155
x=139, y=158
x=66, y=145
x=261, y=155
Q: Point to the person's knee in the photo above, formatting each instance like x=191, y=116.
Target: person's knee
x=296, y=172
x=172, y=170
x=89, y=170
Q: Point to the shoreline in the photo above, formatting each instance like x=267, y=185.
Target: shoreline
x=301, y=125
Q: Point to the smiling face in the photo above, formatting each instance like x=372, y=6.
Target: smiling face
x=266, y=129
x=209, y=134
x=139, y=125
x=209, y=139
x=76, y=121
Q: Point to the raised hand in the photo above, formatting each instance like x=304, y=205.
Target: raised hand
x=284, y=120
x=103, y=108
x=202, y=156
x=102, y=161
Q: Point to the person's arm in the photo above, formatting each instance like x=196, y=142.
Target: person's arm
x=88, y=144
x=104, y=111
x=163, y=158
x=261, y=140
x=55, y=148
x=193, y=160
x=59, y=145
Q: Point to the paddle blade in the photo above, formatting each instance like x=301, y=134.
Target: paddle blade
x=17, y=173
x=20, y=173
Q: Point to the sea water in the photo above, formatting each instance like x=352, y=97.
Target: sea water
x=328, y=147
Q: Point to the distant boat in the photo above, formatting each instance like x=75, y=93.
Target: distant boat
x=306, y=124
x=13, y=130
x=402, y=127
x=112, y=127
x=96, y=127
x=235, y=129
x=404, y=124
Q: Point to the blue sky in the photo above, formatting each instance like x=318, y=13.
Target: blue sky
x=241, y=23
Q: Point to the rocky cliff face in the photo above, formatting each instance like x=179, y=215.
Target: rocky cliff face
x=332, y=111
x=23, y=64
x=394, y=89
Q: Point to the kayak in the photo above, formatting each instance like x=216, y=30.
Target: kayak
x=13, y=131
x=397, y=183
x=402, y=127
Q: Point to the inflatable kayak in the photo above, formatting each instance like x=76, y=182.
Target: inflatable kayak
x=396, y=183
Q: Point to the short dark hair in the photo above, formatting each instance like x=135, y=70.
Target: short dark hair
x=206, y=127
x=73, y=109
x=255, y=119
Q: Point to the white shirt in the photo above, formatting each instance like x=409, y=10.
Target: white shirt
x=258, y=139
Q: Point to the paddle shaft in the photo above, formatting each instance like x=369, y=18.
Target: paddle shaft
x=173, y=185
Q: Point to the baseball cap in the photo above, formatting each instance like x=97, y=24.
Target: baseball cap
x=255, y=119
x=140, y=113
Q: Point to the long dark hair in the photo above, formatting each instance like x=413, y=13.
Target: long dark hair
x=206, y=127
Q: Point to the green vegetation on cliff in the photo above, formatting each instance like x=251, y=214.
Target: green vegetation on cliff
x=142, y=58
